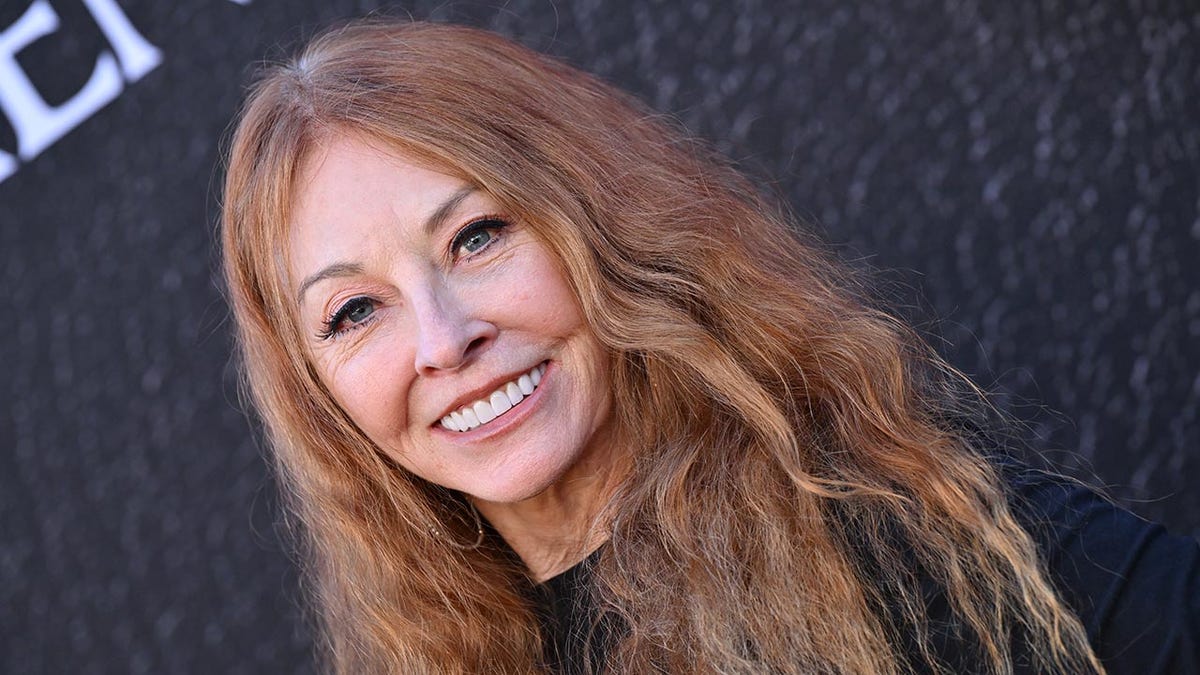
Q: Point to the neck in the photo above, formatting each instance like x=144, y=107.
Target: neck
x=554, y=530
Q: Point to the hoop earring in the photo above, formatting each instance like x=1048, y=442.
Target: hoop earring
x=438, y=534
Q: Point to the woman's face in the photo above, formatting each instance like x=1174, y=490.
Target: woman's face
x=444, y=329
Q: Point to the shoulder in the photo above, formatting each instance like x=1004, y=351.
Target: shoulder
x=1135, y=586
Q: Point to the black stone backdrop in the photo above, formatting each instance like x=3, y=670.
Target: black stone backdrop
x=1028, y=170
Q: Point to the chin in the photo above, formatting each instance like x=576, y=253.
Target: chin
x=516, y=485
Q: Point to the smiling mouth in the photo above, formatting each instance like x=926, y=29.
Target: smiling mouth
x=507, y=397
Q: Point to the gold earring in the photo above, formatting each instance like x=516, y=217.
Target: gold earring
x=438, y=534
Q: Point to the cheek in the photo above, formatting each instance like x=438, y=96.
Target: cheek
x=546, y=295
x=371, y=386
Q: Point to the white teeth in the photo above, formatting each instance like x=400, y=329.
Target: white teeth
x=483, y=410
x=525, y=385
x=470, y=418
x=501, y=401
x=514, y=393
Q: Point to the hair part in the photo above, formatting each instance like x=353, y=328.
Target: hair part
x=754, y=377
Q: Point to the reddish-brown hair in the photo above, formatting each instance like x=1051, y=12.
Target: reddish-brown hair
x=754, y=381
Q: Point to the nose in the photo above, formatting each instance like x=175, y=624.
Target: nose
x=450, y=335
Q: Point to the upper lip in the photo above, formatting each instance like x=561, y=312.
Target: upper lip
x=482, y=392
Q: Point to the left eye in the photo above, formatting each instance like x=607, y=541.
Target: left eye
x=348, y=316
x=357, y=310
x=476, y=236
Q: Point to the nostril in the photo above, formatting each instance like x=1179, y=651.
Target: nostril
x=475, y=345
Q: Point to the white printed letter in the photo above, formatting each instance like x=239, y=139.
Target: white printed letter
x=137, y=56
x=8, y=165
x=36, y=123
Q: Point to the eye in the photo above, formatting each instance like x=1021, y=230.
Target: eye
x=475, y=241
x=349, y=316
x=476, y=236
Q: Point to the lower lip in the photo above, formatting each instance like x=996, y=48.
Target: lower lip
x=503, y=423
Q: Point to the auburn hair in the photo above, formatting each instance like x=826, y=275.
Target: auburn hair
x=756, y=380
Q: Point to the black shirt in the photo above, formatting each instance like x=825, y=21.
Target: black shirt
x=1135, y=587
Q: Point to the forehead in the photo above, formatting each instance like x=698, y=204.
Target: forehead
x=353, y=194
x=344, y=168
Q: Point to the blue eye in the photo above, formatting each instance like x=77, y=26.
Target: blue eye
x=349, y=316
x=476, y=237
x=475, y=241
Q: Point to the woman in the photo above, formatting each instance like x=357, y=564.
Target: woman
x=550, y=387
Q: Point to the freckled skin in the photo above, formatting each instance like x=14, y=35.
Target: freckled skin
x=443, y=323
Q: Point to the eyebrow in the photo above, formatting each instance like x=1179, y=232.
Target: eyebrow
x=443, y=212
x=346, y=269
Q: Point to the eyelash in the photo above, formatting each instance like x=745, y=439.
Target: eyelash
x=335, y=319
x=494, y=223
x=331, y=323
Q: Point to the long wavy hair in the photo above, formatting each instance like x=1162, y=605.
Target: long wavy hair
x=816, y=430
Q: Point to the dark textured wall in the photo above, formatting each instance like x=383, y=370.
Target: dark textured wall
x=1028, y=171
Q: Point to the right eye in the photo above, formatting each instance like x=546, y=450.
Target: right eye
x=349, y=316
x=477, y=236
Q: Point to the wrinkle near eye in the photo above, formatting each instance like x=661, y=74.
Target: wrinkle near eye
x=356, y=369
x=331, y=356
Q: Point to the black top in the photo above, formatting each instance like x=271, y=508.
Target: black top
x=1135, y=587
